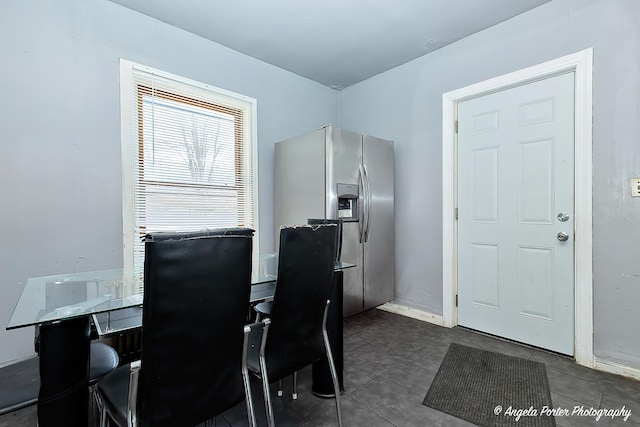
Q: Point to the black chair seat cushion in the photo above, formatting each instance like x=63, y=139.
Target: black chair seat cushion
x=114, y=389
x=103, y=359
x=263, y=308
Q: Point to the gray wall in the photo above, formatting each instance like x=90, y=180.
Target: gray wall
x=60, y=162
x=404, y=104
x=60, y=138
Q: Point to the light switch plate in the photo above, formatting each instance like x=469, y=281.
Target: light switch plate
x=635, y=187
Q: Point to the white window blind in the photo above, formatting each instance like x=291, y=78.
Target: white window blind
x=190, y=154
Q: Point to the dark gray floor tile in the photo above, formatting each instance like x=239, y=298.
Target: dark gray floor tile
x=427, y=358
x=402, y=407
x=23, y=417
x=216, y=422
x=390, y=361
x=353, y=414
x=566, y=417
x=285, y=415
x=620, y=386
x=630, y=402
x=414, y=379
x=573, y=387
x=561, y=361
x=375, y=354
x=568, y=366
x=357, y=373
x=309, y=406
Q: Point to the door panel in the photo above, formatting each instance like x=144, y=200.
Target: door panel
x=515, y=174
x=535, y=179
x=535, y=295
x=485, y=184
x=485, y=270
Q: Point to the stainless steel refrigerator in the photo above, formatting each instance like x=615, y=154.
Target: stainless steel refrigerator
x=337, y=174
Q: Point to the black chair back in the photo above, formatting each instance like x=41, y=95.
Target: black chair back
x=338, y=222
x=196, y=297
x=305, y=270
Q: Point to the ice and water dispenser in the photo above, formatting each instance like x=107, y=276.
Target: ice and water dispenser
x=347, y=202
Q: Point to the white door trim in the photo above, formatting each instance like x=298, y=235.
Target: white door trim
x=582, y=64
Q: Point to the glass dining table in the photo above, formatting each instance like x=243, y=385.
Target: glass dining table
x=55, y=298
x=51, y=301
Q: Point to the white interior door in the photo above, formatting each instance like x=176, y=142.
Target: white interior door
x=515, y=209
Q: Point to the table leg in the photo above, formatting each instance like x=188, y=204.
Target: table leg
x=64, y=373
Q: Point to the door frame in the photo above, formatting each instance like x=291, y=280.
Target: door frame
x=581, y=63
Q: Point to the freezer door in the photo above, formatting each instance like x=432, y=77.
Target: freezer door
x=344, y=154
x=379, y=233
x=299, y=166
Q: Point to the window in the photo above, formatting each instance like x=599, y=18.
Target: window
x=189, y=157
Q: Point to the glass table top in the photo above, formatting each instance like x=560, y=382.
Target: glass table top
x=58, y=297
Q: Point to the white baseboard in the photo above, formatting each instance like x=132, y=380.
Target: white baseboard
x=412, y=312
x=616, y=368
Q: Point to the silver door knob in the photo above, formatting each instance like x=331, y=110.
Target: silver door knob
x=563, y=217
x=562, y=236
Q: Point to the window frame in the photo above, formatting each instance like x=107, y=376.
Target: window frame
x=130, y=101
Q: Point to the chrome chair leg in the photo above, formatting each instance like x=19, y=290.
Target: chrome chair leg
x=95, y=406
x=332, y=366
x=103, y=418
x=267, y=393
x=265, y=376
x=98, y=406
x=294, y=393
x=245, y=379
x=280, y=393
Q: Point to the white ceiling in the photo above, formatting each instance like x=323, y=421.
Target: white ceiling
x=334, y=42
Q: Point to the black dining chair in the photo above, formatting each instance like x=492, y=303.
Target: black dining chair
x=295, y=335
x=192, y=367
x=263, y=309
x=103, y=359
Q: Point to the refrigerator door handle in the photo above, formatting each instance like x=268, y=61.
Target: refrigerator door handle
x=367, y=224
x=361, y=213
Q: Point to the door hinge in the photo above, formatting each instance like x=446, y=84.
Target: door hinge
x=456, y=300
x=455, y=126
x=456, y=214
